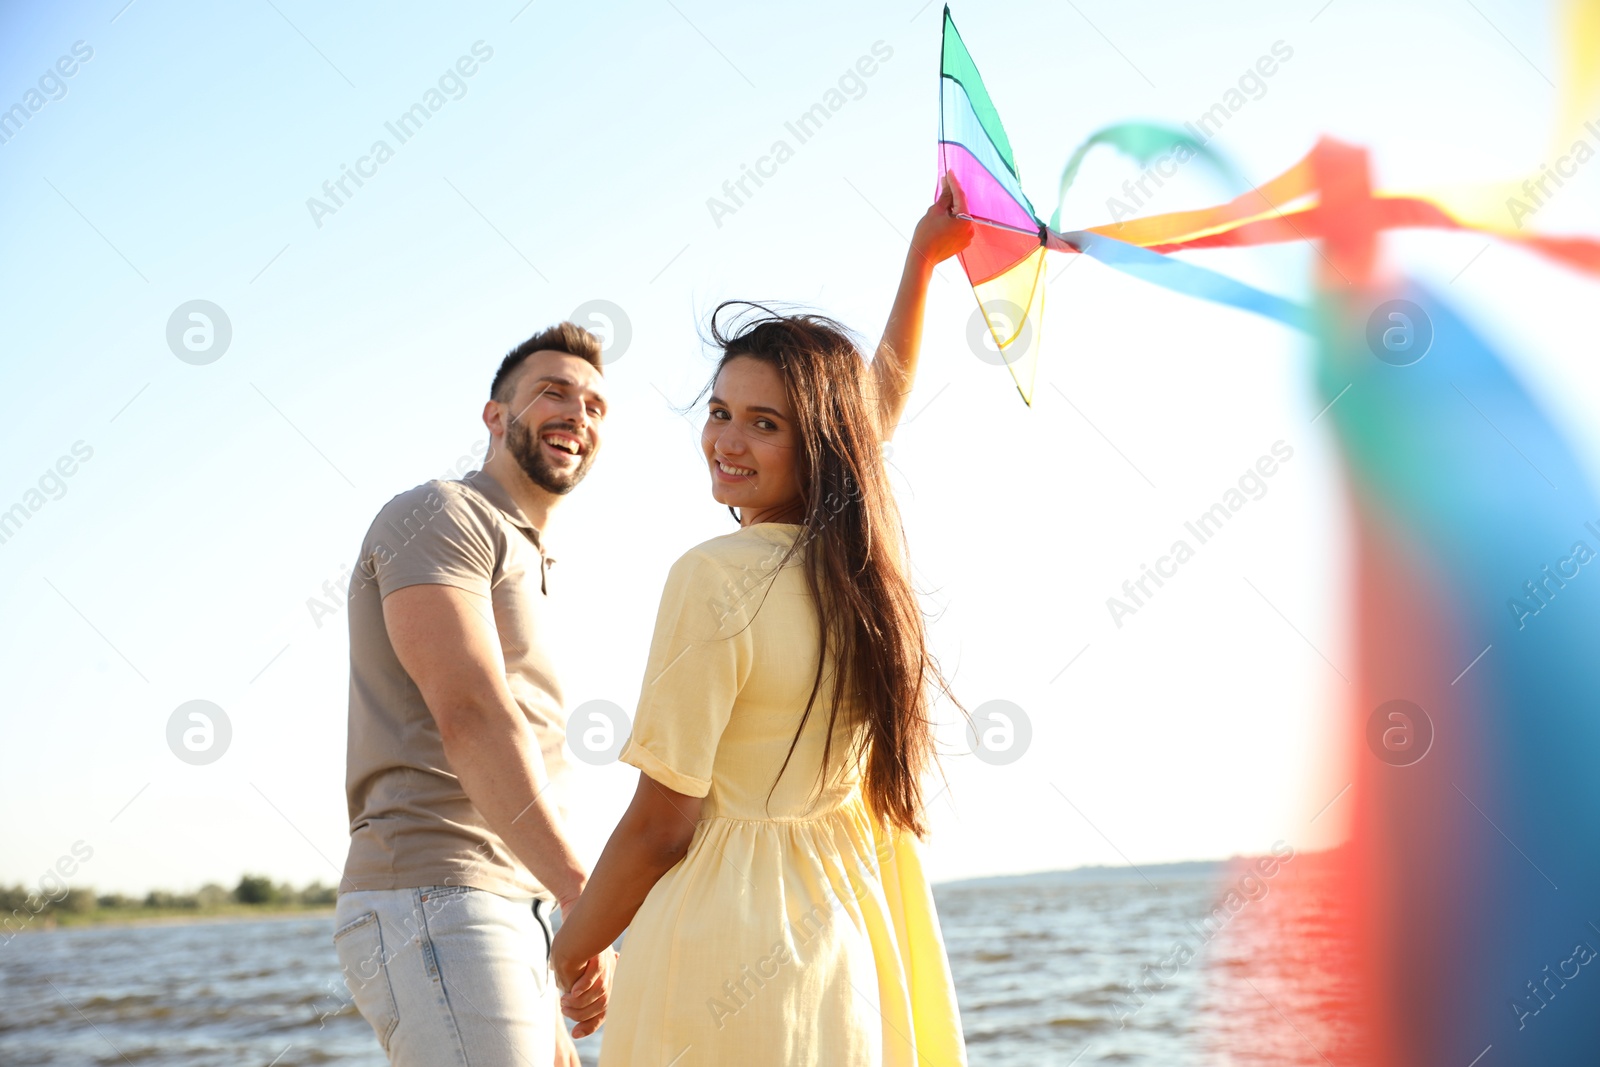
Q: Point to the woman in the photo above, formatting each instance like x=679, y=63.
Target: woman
x=768, y=862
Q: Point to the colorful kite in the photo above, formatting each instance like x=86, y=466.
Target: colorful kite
x=1466, y=902
x=1006, y=261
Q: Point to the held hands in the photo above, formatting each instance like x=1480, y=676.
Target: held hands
x=939, y=233
x=585, y=987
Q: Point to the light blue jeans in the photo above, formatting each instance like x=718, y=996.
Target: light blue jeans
x=451, y=975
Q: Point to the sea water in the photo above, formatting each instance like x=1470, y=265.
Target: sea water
x=1069, y=968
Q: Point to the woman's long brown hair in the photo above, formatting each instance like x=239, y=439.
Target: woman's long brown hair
x=854, y=554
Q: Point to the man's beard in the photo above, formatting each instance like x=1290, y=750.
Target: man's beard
x=528, y=451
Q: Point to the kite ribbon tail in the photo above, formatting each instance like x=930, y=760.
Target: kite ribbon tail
x=1181, y=277
x=1146, y=142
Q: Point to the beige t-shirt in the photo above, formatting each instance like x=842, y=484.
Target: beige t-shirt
x=411, y=824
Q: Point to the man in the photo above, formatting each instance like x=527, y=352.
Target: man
x=457, y=851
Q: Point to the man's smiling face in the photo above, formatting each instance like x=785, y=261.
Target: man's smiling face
x=554, y=419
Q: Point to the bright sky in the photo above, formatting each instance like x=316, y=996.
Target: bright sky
x=176, y=562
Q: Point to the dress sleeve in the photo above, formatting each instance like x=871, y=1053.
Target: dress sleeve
x=430, y=536
x=699, y=660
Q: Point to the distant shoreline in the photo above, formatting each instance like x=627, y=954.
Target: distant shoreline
x=241, y=913
x=134, y=916
x=1099, y=872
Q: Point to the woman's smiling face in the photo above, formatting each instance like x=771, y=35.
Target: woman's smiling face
x=751, y=443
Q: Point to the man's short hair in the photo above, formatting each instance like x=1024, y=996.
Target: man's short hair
x=566, y=337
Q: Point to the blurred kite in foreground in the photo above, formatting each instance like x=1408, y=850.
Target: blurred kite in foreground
x=1465, y=905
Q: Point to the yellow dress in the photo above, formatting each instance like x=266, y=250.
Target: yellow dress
x=795, y=931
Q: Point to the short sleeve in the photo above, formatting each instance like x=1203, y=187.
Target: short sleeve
x=699, y=659
x=430, y=535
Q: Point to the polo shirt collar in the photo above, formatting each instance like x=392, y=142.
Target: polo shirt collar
x=496, y=494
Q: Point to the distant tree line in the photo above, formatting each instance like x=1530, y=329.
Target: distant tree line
x=253, y=889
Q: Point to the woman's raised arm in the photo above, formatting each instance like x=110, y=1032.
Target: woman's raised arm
x=938, y=236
